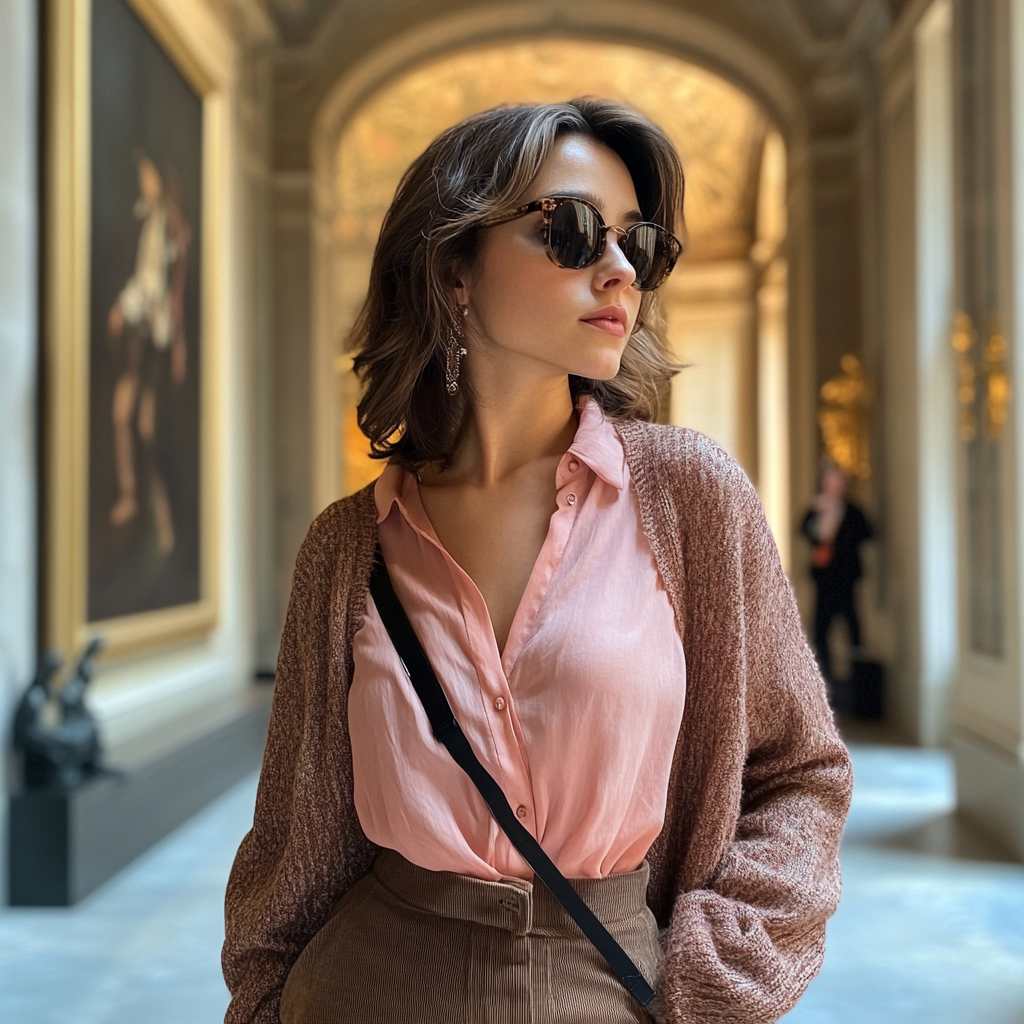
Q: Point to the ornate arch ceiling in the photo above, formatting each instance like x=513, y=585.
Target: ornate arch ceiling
x=717, y=128
x=817, y=46
x=298, y=20
x=827, y=18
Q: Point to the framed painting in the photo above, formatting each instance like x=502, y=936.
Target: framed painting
x=131, y=284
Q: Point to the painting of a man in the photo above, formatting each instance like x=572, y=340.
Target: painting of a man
x=145, y=412
x=146, y=321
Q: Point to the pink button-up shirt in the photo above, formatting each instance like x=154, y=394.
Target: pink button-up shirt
x=576, y=720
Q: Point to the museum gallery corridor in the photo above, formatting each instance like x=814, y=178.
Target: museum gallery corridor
x=852, y=290
x=930, y=931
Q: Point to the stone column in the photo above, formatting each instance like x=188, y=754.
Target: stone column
x=18, y=357
x=988, y=712
x=917, y=384
x=255, y=104
x=291, y=364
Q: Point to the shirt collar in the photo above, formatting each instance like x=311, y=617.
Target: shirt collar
x=597, y=443
x=390, y=490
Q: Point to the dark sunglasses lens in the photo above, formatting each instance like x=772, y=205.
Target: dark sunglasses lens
x=574, y=234
x=652, y=251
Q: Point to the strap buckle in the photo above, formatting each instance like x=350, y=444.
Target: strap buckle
x=447, y=729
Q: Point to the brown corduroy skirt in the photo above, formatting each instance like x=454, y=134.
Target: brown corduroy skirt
x=429, y=947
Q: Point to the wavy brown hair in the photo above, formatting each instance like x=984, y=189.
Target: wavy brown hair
x=431, y=233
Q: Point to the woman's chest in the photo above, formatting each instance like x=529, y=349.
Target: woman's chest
x=589, y=619
x=496, y=536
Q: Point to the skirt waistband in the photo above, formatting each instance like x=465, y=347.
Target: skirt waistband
x=511, y=904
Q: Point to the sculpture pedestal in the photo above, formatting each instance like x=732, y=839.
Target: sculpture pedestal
x=63, y=844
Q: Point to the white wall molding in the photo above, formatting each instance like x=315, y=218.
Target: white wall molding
x=936, y=519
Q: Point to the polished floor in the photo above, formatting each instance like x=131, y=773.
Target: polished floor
x=931, y=926
x=931, y=929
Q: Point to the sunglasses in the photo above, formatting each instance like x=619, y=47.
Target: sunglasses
x=575, y=235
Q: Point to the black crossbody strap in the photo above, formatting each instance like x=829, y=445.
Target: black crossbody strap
x=447, y=731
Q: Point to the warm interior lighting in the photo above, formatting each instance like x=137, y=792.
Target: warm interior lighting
x=718, y=130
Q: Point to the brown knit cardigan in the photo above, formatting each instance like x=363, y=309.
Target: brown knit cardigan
x=745, y=871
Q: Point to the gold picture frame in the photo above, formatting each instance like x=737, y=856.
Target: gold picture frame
x=68, y=345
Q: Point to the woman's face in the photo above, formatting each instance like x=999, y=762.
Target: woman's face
x=523, y=310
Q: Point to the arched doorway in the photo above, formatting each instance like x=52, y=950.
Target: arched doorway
x=725, y=305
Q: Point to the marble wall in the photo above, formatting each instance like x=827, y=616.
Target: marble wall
x=988, y=711
x=18, y=361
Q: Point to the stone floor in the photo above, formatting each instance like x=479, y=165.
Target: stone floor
x=931, y=929
x=144, y=948
x=931, y=926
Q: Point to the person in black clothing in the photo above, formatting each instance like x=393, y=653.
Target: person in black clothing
x=836, y=528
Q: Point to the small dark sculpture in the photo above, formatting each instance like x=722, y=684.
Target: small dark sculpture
x=68, y=752
x=30, y=729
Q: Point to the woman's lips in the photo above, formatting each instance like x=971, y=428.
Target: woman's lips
x=608, y=325
x=610, y=319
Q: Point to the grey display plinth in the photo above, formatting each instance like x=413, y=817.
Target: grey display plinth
x=65, y=844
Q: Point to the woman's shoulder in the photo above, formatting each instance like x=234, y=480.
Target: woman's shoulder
x=684, y=462
x=699, y=510
x=345, y=527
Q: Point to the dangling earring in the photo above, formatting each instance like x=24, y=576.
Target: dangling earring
x=453, y=349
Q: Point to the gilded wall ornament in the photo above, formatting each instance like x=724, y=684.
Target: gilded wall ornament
x=995, y=366
x=963, y=342
x=843, y=418
x=987, y=365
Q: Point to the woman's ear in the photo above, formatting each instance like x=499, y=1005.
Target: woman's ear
x=460, y=290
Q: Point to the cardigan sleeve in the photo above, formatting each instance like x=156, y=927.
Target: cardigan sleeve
x=305, y=848
x=743, y=946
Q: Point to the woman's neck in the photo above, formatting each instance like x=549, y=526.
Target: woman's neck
x=511, y=427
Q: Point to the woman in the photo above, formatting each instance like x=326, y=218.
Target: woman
x=555, y=554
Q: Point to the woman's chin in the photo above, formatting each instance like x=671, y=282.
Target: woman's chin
x=604, y=369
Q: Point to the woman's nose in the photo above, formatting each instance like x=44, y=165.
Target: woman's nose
x=613, y=265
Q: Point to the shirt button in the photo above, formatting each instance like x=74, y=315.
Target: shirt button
x=570, y=499
x=521, y=811
x=500, y=703
x=573, y=465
